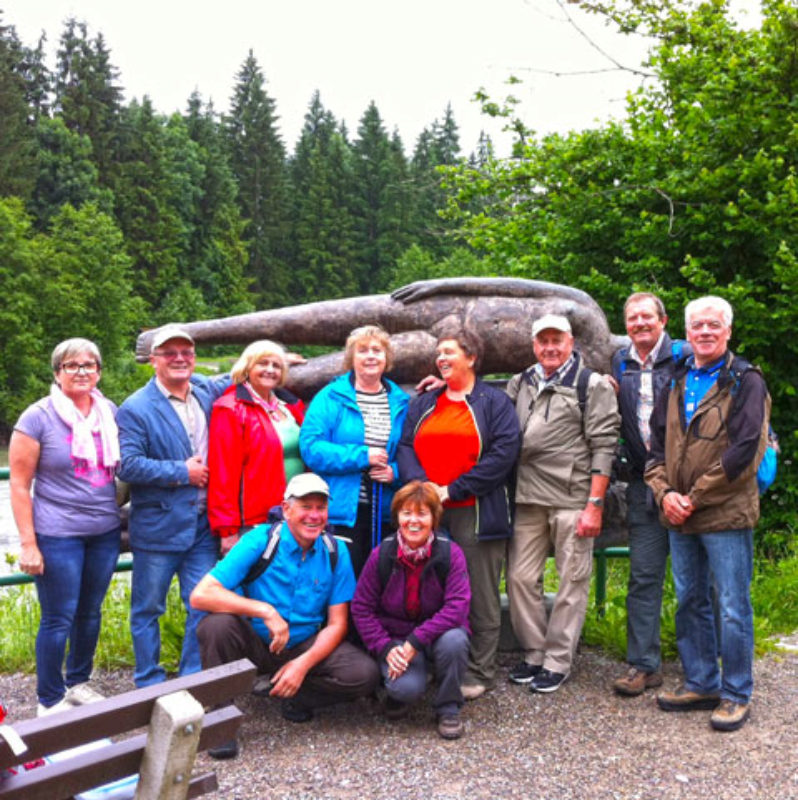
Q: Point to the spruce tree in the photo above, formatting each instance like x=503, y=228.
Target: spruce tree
x=258, y=162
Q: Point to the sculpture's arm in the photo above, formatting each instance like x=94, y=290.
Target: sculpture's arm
x=497, y=287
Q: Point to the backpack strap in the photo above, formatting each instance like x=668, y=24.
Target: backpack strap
x=582, y=382
x=441, y=558
x=273, y=542
x=267, y=556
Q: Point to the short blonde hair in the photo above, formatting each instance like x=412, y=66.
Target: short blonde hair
x=255, y=352
x=365, y=333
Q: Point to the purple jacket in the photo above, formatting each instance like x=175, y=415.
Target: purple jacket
x=379, y=611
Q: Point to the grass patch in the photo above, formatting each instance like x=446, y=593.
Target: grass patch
x=774, y=594
x=19, y=609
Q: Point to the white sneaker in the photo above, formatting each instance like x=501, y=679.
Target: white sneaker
x=82, y=694
x=61, y=705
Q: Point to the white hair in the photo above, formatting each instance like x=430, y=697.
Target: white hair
x=713, y=302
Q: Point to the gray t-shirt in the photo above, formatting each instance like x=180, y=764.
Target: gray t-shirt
x=69, y=498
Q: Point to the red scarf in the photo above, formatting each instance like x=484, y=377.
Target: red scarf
x=413, y=561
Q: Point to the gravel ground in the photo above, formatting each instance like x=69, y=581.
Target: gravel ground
x=580, y=742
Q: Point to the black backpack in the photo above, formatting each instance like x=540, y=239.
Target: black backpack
x=441, y=558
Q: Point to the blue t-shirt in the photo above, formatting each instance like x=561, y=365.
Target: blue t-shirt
x=698, y=382
x=300, y=589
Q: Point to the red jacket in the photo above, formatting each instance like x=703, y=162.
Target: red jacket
x=245, y=458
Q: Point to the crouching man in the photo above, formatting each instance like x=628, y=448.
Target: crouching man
x=291, y=619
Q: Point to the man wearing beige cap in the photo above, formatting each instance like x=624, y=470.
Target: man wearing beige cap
x=163, y=438
x=569, y=425
x=281, y=598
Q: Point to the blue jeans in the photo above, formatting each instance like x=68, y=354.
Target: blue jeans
x=446, y=657
x=728, y=558
x=153, y=571
x=77, y=571
x=648, y=557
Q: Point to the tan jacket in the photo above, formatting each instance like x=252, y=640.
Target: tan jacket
x=714, y=459
x=560, y=450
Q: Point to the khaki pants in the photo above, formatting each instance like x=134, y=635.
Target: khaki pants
x=537, y=529
x=484, y=560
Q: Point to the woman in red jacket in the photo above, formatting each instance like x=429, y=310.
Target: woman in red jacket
x=253, y=448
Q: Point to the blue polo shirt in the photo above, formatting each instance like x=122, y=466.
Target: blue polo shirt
x=300, y=589
x=698, y=382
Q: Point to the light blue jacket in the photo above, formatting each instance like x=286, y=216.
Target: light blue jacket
x=154, y=448
x=331, y=442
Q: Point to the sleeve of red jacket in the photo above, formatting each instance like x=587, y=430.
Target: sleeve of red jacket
x=225, y=465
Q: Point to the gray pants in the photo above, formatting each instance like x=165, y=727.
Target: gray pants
x=648, y=557
x=484, y=560
x=446, y=657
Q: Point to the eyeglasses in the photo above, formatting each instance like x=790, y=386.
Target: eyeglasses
x=73, y=368
x=171, y=355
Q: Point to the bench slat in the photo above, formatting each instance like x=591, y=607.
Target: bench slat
x=63, y=779
x=124, y=712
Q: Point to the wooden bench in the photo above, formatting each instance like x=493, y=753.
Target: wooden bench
x=163, y=757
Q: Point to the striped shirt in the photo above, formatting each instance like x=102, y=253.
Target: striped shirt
x=376, y=427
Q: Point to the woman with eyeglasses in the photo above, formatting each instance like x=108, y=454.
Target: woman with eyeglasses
x=253, y=444
x=69, y=526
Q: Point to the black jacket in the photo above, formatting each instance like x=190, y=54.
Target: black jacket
x=626, y=371
x=500, y=442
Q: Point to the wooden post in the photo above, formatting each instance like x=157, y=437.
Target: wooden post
x=171, y=748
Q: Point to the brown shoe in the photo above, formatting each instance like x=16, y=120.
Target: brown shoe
x=686, y=700
x=729, y=716
x=636, y=681
x=450, y=726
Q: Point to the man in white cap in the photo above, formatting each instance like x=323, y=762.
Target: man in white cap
x=280, y=598
x=163, y=437
x=569, y=425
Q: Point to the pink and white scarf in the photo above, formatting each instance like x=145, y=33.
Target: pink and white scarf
x=100, y=420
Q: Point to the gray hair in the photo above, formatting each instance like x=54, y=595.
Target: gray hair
x=70, y=348
x=638, y=296
x=713, y=302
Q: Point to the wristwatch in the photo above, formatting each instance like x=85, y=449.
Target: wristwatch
x=598, y=502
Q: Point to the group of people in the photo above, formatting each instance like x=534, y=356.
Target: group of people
x=363, y=538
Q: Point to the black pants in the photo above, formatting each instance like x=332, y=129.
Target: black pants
x=345, y=674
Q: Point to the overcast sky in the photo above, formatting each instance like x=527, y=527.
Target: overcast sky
x=410, y=57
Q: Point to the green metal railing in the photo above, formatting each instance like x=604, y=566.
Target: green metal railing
x=126, y=564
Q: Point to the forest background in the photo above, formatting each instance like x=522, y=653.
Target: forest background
x=114, y=216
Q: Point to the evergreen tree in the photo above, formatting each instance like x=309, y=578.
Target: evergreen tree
x=65, y=172
x=257, y=159
x=216, y=249
x=17, y=146
x=87, y=95
x=322, y=177
x=380, y=202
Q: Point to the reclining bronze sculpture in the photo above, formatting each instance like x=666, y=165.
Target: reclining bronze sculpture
x=500, y=310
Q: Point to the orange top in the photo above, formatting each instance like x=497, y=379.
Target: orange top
x=447, y=444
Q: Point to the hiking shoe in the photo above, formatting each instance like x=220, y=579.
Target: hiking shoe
x=82, y=694
x=547, y=681
x=62, y=705
x=395, y=709
x=471, y=691
x=450, y=726
x=228, y=749
x=684, y=699
x=729, y=716
x=294, y=711
x=636, y=681
x=523, y=672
